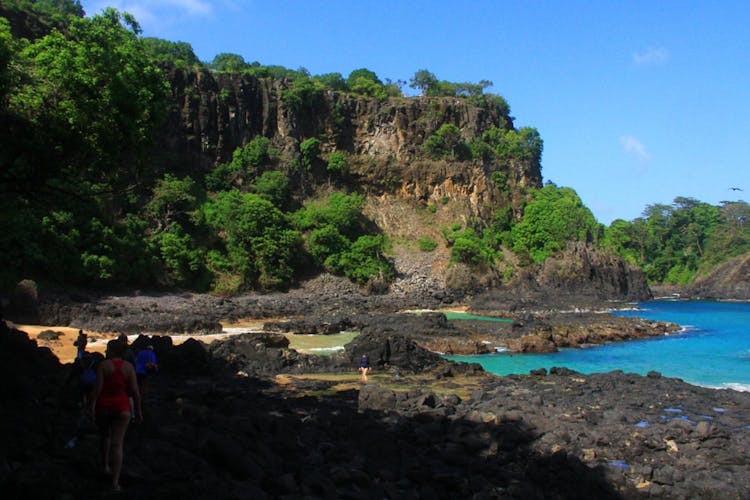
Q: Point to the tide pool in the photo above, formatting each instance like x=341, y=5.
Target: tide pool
x=713, y=350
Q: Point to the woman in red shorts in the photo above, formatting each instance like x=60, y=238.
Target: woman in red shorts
x=114, y=380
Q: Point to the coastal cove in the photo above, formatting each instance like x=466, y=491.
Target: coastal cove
x=712, y=350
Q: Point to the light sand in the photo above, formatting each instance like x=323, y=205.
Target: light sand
x=63, y=347
x=65, y=351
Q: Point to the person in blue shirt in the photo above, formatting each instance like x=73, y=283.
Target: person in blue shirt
x=364, y=367
x=145, y=364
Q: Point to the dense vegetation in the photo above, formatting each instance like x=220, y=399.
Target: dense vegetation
x=83, y=203
x=674, y=243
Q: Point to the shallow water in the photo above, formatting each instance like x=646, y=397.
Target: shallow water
x=713, y=350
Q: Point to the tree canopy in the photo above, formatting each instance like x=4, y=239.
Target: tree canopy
x=553, y=217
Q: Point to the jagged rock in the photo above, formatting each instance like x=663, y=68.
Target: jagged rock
x=566, y=435
x=23, y=303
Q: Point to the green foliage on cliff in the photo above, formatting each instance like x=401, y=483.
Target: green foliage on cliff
x=79, y=108
x=672, y=243
x=247, y=163
x=81, y=202
x=553, y=217
x=257, y=238
x=447, y=143
x=338, y=241
x=310, y=151
x=178, y=53
x=338, y=163
x=429, y=85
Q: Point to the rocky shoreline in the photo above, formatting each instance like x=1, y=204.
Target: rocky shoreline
x=221, y=423
x=251, y=418
x=329, y=305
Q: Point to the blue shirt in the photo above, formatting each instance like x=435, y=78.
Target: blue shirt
x=142, y=360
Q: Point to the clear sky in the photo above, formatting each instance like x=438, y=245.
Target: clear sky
x=638, y=102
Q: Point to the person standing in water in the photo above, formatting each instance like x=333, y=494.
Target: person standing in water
x=364, y=367
x=114, y=380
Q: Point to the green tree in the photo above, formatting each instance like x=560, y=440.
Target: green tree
x=362, y=73
x=332, y=81
x=91, y=103
x=365, y=82
x=261, y=246
x=468, y=248
x=184, y=264
x=172, y=200
x=447, y=143
x=229, y=63
x=179, y=53
x=327, y=241
x=7, y=49
x=363, y=261
x=424, y=81
x=338, y=163
x=247, y=163
x=554, y=217
x=310, y=150
x=273, y=186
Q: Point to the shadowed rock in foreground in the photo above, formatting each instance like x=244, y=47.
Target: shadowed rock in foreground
x=423, y=428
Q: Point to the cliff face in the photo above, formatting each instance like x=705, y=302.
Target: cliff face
x=731, y=280
x=407, y=194
x=212, y=114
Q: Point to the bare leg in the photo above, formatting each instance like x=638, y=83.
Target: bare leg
x=117, y=440
x=104, y=441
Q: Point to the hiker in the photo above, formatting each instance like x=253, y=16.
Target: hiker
x=364, y=367
x=145, y=365
x=109, y=403
x=128, y=354
x=130, y=358
x=83, y=372
x=80, y=343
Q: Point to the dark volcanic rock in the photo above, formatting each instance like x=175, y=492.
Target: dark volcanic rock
x=217, y=435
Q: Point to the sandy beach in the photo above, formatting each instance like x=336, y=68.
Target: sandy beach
x=63, y=347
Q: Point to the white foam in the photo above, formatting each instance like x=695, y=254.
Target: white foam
x=326, y=349
x=736, y=386
x=236, y=330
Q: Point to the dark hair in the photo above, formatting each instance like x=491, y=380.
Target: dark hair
x=115, y=348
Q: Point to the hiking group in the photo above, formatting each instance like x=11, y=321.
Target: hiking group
x=113, y=395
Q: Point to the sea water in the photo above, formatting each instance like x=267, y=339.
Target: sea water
x=712, y=350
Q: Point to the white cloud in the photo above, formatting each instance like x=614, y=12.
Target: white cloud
x=149, y=11
x=652, y=56
x=633, y=146
x=191, y=7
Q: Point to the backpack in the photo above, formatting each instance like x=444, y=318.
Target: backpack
x=88, y=375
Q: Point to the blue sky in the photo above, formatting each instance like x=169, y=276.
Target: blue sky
x=638, y=102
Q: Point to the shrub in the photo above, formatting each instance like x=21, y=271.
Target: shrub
x=427, y=244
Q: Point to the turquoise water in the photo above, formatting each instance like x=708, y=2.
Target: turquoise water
x=451, y=315
x=713, y=350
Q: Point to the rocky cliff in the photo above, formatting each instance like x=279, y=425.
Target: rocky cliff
x=731, y=280
x=408, y=195
x=212, y=114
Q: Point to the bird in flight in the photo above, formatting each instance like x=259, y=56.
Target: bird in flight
x=735, y=189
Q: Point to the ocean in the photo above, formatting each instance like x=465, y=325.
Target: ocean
x=712, y=350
